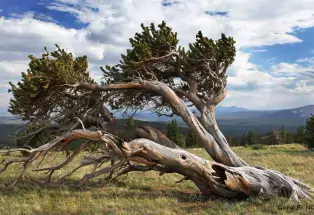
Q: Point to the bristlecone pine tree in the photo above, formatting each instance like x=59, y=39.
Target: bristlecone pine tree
x=57, y=94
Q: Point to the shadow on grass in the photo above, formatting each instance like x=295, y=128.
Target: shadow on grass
x=306, y=152
x=102, y=190
x=303, y=153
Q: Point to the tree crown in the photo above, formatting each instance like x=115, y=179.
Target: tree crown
x=38, y=94
x=155, y=55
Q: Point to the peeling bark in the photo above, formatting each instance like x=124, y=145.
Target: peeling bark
x=208, y=120
x=214, y=143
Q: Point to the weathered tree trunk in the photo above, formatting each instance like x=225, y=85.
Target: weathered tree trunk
x=213, y=141
x=141, y=131
x=217, y=179
x=228, y=176
x=209, y=122
x=211, y=178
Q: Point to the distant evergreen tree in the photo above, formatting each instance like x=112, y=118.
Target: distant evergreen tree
x=251, y=138
x=180, y=140
x=229, y=139
x=274, y=137
x=174, y=135
x=131, y=122
x=236, y=141
x=172, y=130
x=243, y=140
x=300, y=135
x=192, y=139
x=290, y=137
x=283, y=135
x=309, y=132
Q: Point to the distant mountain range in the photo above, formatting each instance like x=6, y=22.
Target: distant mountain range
x=235, y=112
x=263, y=121
x=222, y=113
x=236, y=120
x=4, y=113
x=232, y=109
x=294, y=113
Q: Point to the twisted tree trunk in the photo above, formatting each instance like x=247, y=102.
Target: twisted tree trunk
x=207, y=130
x=228, y=176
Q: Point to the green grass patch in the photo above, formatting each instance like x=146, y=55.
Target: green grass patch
x=149, y=193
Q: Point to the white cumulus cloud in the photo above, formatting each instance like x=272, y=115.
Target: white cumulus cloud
x=109, y=24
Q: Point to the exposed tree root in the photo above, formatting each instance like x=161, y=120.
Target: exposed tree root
x=211, y=178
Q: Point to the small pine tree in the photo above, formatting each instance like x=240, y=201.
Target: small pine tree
x=192, y=139
x=174, y=135
x=309, y=132
x=274, y=137
x=290, y=137
x=131, y=122
x=243, y=140
x=172, y=130
x=300, y=135
x=251, y=137
x=180, y=140
x=283, y=135
x=236, y=141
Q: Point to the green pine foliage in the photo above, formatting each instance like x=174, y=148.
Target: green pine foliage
x=206, y=61
x=192, y=139
x=290, y=137
x=131, y=122
x=283, y=134
x=309, y=132
x=251, y=138
x=274, y=137
x=180, y=140
x=174, y=135
x=154, y=54
x=33, y=97
x=300, y=135
x=244, y=140
x=172, y=130
x=41, y=93
x=152, y=42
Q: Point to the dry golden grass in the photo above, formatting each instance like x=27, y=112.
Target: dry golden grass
x=149, y=193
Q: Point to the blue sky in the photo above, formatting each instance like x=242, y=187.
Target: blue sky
x=15, y=8
x=275, y=40
x=284, y=52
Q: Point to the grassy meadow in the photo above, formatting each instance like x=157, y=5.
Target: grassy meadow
x=149, y=193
